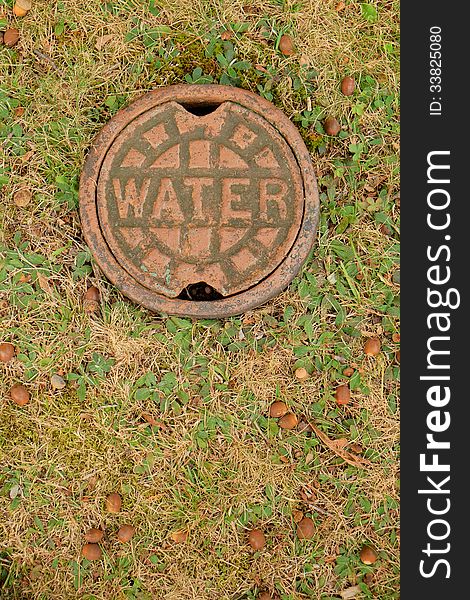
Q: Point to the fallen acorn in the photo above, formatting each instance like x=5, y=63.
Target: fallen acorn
x=347, y=86
x=57, y=382
x=11, y=37
x=91, y=300
x=348, y=371
x=286, y=45
x=331, y=126
x=92, y=293
x=256, y=539
x=288, y=421
x=368, y=579
x=91, y=552
x=278, y=409
x=305, y=528
x=372, y=347
x=19, y=394
x=368, y=555
x=125, y=533
x=297, y=515
x=342, y=394
x=301, y=374
x=7, y=352
x=22, y=7
x=22, y=198
x=113, y=503
x=93, y=536
x=264, y=596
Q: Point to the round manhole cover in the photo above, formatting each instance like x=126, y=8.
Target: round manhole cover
x=199, y=200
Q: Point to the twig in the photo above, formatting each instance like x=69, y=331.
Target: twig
x=320, y=510
x=42, y=56
x=349, y=457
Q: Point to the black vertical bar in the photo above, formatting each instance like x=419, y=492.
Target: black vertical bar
x=434, y=120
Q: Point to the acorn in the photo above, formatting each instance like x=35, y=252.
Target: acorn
x=93, y=536
x=347, y=86
x=57, y=382
x=286, y=45
x=125, y=533
x=305, y=528
x=278, y=409
x=297, y=515
x=368, y=555
x=331, y=126
x=19, y=394
x=348, y=371
x=91, y=552
x=256, y=539
x=91, y=300
x=7, y=352
x=11, y=37
x=92, y=293
x=264, y=596
x=113, y=503
x=368, y=578
x=288, y=421
x=301, y=374
x=342, y=394
x=21, y=8
x=372, y=347
x=22, y=197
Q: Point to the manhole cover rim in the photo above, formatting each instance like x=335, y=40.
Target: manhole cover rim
x=245, y=300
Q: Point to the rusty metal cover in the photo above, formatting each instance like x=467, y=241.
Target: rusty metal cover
x=199, y=200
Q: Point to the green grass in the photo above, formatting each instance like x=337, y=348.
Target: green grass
x=173, y=413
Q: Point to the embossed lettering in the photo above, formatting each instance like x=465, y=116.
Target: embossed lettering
x=130, y=197
x=197, y=184
x=277, y=196
x=166, y=206
x=229, y=196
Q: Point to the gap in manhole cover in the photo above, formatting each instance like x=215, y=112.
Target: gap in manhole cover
x=199, y=200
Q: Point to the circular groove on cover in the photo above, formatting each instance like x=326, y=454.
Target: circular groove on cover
x=199, y=200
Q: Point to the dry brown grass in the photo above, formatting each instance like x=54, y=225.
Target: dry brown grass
x=65, y=455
